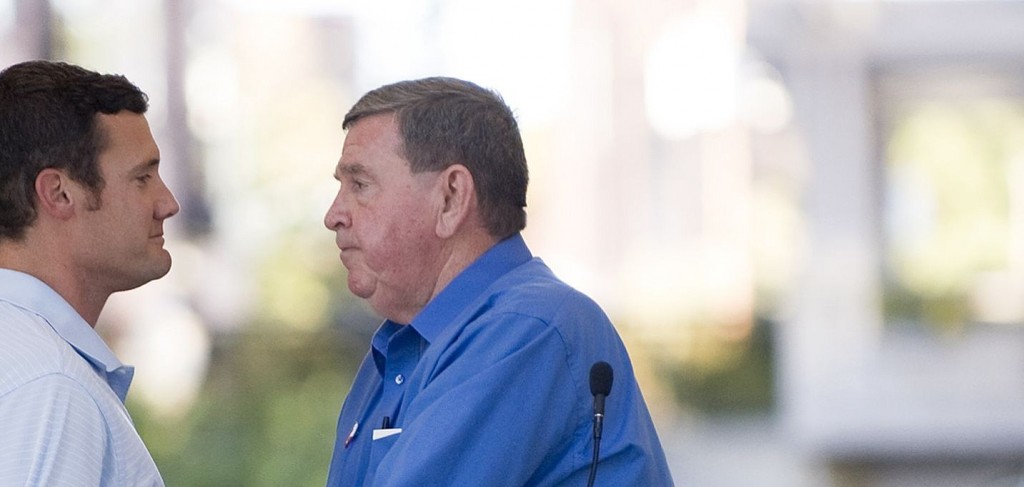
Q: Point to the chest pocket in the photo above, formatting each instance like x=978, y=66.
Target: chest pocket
x=382, y=442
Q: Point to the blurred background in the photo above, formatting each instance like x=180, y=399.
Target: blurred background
x=806, y=218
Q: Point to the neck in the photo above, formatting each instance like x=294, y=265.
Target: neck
x=467, y=251
x=51, y=266
x=453, y=257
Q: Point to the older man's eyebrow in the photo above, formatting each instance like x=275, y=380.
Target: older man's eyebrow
x=349, y=170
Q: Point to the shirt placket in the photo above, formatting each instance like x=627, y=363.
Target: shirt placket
x=402, y=355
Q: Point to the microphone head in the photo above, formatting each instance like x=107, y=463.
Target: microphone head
x=601, y=378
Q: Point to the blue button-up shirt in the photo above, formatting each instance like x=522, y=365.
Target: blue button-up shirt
x=62, y=414
x=489, y=385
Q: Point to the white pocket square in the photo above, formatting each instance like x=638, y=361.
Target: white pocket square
x=384, y=433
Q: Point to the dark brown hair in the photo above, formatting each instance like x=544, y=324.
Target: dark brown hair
x=48, y=120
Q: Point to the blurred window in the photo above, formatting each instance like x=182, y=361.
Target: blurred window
x=952, y=143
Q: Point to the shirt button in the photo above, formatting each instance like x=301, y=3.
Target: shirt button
x=399, y=379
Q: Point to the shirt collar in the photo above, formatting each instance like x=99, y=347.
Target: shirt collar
x=379, y=345
x=33, y=295
x=445, y=307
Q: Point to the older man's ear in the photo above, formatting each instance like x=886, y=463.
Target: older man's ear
x=459, y=193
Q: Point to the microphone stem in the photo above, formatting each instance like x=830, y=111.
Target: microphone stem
x=598, y=426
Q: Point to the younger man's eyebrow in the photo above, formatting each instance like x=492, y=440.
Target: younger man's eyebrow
x=145, y=166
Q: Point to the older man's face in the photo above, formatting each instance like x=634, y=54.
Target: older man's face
x=384, y=218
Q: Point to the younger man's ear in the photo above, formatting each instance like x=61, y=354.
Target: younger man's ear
x=54, y=192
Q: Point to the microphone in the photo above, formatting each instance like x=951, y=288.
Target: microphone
x=600, y=387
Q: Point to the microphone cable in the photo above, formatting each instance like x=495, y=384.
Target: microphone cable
x=600, y=386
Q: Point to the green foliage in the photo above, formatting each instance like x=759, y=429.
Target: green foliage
x=265, y=416
x=948, y=312
x=741, y=380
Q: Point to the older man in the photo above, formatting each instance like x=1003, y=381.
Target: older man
x=479, y=374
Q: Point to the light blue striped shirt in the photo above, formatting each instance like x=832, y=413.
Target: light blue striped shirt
x=62, y=415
